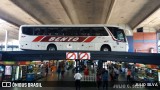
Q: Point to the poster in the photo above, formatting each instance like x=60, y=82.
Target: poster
x=8, y=70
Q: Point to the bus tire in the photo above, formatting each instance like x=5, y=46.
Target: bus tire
x=105, y=48
x=51, y=48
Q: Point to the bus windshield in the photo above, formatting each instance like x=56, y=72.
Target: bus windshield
x=117, y=33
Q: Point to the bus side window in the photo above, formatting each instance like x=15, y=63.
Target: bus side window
x=66, y=31
x=99, y=31
x=103, y=32
x=28, y=30
x=98, y=34
x=44, y=31
x=52, y=31
x=93, y=32
x=37, y=31
x=86, y=31
x=81, y=32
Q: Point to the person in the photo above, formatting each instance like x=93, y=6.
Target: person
x=128, y=75
x=77, y=77
x=111, y=73
x=105, y=79
x=58, y=71
x=98, y=80
x=62, y=72
x=126, y=70
x=116, y=74
x=46, y=71
x=86, y=71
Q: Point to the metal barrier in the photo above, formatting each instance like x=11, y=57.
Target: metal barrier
x=89, y=78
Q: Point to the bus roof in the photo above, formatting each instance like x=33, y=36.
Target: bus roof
x=74, y=25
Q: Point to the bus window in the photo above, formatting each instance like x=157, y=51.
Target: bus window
x=27, y=30
x=113, y=31
x=39, y=31
x=85, y=31
x=67, y=31
x=92, y=32
x=103, y=32
x=97, y=31
x=52, y=31
x=75, y=31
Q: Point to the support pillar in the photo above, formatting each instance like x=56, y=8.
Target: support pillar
x=6, y=40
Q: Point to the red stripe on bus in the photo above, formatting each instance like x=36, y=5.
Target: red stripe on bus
x=89, y=39
x=38, y=38
x=63, y=39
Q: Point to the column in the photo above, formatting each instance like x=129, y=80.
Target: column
x=6, y=40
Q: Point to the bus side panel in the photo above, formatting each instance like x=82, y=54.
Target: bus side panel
x=36, y=46
x=25, y=45
x=25, y=42
x=29, y=42
x=99, y=45
x=59, y=45
x=102, y=40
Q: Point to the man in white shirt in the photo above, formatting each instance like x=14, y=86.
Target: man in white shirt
x=77, y=77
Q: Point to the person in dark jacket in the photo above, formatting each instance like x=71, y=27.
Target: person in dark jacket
x=98, y=80
x=105, y=79
x=46, y=71
x=58, y=71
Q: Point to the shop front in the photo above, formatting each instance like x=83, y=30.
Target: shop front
x=146, y=73
x=2, y=68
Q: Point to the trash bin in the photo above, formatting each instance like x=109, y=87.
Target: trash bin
x=151, y=50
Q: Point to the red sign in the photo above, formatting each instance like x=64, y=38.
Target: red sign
x=23, y=63
x=83, y=55
x=71, y=55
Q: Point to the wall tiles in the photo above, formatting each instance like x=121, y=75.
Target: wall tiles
x=144, y=41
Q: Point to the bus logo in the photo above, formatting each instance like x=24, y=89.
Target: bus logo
x=63, y=39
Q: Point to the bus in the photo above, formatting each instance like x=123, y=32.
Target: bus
x=72, y=37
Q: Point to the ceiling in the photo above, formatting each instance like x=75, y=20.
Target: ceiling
x=135, y=13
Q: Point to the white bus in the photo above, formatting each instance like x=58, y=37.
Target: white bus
x=72, y=37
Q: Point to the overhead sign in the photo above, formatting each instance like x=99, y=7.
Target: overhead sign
x=84, y=55
x=72, y=55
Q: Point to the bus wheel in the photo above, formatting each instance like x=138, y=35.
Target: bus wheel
x=105, y=48
x=51, y=48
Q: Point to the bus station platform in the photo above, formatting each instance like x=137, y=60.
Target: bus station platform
x=68, y=78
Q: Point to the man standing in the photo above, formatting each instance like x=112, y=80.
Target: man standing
x=77, y=77
x=46, y=71
x=105, y=79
